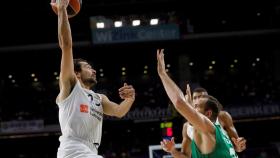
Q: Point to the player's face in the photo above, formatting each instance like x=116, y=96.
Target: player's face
x=88, y=74
x=200, y=105
x=197, y=96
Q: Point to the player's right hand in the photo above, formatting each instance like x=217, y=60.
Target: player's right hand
x=239, y=144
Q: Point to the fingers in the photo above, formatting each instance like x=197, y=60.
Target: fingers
x=63, y=3
x=188, y=95
x=240, y=143
x=125, y=86
x=167, y=145
x=53, y=4
x=158, y=58
x=234, y=140
x=163, y=146
x=164, y=143
x=127, y=91
x=189, y=91
x=172, y=140
x=160, y=54
x=240, y=140
x=160, y=51
x=187, y=88
x=160, y=63
x=161, y=143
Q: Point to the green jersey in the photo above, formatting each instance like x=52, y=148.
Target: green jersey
x=223, y=148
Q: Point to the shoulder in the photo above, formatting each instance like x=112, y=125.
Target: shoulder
x=224, y=115
x=185, y=129
x=66, y=89
x=224, y=118
x=104, y=99
x=186, y=124
x=103, y=96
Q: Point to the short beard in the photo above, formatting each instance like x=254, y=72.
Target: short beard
x=90, y=82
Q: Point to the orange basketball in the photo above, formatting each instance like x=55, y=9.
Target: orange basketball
x=73, y=8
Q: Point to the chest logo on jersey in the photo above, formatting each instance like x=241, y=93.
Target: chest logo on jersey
x=91, y=98
x=84, y=108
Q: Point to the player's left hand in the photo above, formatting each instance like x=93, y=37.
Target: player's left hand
x=127, y=92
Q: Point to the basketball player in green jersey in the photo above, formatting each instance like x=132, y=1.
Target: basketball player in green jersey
x=224, y=120
x=208, y=139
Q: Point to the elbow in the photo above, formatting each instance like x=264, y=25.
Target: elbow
x=120, y=115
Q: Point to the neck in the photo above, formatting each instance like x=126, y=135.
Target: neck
x=212, y=120
x=84, y=85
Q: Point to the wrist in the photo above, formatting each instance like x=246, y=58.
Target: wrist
x=131, y=99
x=61, y=7
x=162, y=73
x=173, y=151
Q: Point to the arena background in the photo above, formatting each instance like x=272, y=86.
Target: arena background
x=231, y=48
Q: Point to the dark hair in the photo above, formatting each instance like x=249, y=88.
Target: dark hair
x=220, y=106
x=214, y=105
x=77, y=64
x=199, y=90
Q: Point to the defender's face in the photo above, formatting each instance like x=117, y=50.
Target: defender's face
x=197, y=96
x=200, y=107
x=200, y=104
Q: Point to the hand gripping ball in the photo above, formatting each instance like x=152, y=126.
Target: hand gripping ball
x=73, y=7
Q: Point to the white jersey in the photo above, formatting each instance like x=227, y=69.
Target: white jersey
x=190, y=129
x=80, y=118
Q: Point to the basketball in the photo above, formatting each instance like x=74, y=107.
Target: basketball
x=73, y=8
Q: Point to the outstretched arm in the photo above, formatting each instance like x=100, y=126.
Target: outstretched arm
x=67, y=74
x=198, y=120
x=127, y=93
x=226, y=121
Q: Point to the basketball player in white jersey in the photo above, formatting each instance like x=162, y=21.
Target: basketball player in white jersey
x=81, y=109
x=224, y=119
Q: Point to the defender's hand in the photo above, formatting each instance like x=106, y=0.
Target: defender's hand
x=239, y=144
x=160, y=62
x=168, y=145
x=188, y=96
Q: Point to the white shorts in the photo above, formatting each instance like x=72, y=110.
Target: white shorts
x=75, y=149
